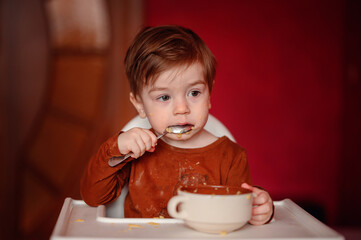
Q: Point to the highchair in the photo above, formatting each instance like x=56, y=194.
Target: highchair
x=213, y=125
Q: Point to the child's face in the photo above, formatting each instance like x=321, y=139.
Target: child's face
x=179, y=96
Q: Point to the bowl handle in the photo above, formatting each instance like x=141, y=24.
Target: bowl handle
x=173, y=207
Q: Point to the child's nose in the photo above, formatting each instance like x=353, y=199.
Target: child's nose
x=181, y=106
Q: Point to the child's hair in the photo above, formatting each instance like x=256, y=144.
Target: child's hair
x=156, y=49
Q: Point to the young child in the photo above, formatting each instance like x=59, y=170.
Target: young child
x=171, y=73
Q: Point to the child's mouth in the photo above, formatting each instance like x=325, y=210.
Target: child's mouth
x=186, y=125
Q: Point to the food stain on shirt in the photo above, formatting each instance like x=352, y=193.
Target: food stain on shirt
x=151, y=209
x=190, y=174
x=139, y=179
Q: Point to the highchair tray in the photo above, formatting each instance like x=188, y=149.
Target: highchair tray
x=79, y=221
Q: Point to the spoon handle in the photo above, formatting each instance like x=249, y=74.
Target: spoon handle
x=114, y=161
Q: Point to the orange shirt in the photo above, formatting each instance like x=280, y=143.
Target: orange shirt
x=154, y=178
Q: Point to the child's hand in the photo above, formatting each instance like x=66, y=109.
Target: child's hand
x=136, y=141
x=262, y=210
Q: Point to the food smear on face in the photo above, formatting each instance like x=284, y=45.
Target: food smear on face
x=79, y=220
x=179, y=135
x=223, y=233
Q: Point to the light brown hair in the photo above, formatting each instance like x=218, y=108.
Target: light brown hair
x=156, y=49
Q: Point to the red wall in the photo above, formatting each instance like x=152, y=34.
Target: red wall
x=278, y=86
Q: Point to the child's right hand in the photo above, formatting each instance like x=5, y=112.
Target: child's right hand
x=136, y=141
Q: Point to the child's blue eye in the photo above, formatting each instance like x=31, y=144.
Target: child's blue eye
x=163, y=98
x=194, y=93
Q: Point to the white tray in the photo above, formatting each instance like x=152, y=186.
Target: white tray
x=79, y=221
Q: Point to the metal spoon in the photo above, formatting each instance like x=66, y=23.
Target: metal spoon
x=174, y=129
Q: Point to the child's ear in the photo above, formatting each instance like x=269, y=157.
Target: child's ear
x=138, y=104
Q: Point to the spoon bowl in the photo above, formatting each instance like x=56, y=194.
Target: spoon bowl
x=178, y=129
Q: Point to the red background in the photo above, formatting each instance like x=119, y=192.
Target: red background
x=279, y=87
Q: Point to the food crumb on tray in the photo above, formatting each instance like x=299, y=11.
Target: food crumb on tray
x=153, y=223
x=131, y=226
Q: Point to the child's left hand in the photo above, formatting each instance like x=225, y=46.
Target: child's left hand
x=262, y=210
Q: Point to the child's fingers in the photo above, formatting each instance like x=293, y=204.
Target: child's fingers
x=262, y=205
x=260, y=215
x=261, y=198
x=264, y=209
x=152, y=149
x=258, y=220
x=153, y=138
x=247, y=186
x=145, y=141
x=139, y=148
x=149, y=139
